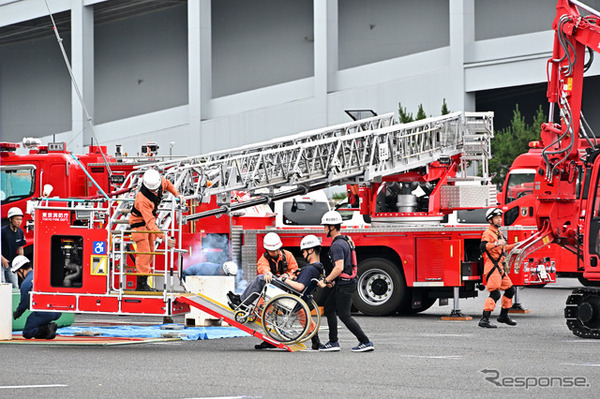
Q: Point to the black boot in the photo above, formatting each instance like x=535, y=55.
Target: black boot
x=264, y=345
x=52, y=327
x=42, y=332
x=485, y=320
x=503, y=318
x=235, y=299
x=316, y=342
x=142, y=284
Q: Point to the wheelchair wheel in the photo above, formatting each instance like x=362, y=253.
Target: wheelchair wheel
x=286, y=318
x=316, y=320
x=240, y=317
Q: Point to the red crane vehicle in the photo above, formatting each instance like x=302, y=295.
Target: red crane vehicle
x=518, y=203
x=567, y=180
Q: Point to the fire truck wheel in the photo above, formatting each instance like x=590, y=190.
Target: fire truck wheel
x=381, y=287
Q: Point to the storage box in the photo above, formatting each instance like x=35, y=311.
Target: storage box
x=214, y=287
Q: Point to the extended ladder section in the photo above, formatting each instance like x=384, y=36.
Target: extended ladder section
x=356, y=152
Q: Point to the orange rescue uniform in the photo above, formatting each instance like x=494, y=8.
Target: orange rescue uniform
x=145, y=241
x=263, y=266
x=498, y=280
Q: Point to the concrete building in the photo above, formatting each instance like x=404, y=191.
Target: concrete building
x=210, y=75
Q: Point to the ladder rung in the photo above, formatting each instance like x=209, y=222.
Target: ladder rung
x=142, y=274
x=118, y=232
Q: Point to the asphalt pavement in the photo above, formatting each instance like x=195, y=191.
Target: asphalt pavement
x=419, y=356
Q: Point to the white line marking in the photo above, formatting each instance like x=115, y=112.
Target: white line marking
x=435, y=357
x=447, y=335
x=227, y=397
x=32, y=386
x=582, y=364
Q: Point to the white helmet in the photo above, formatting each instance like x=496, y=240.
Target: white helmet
x=230, y=268
x=493, y=212
x=18, y=262
x=331, y=218
x=272, y=242
x=310, y=241
x=14, y=211
x=152, y=179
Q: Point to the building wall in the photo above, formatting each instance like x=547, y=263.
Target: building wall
x=258, y=44
x=495, y=19
x=379, y=30
x=35, y=88
x=252, y=71
x=140, y=64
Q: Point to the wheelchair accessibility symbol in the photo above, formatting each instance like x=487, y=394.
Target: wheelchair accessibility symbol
x=99, y=248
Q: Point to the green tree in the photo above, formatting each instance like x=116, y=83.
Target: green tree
x=510, y=142
x=445, y=110
x=405, y=116
x=421, y=113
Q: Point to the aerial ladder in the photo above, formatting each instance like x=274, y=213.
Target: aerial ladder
x=352, y=153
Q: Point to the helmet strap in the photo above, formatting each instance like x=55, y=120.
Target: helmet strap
x=309, y=252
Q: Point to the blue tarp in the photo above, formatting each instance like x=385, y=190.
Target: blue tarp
x=188, y=333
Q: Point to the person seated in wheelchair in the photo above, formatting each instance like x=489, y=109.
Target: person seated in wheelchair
x=311, y=248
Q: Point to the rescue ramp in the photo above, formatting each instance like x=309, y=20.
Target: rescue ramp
x=223, y=312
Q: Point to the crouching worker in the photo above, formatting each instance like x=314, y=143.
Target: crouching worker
x=311, y=249
x=494, y=247
x=39, y=324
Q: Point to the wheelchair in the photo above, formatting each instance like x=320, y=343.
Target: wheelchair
x=286, y=315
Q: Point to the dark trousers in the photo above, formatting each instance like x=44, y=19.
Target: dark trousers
x=339, y=302
x=37, y=319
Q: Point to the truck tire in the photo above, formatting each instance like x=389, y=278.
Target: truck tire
x=381, y=287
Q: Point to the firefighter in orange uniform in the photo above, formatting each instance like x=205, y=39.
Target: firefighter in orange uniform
x=143, y=217
x=276, y=261
x=494, y=246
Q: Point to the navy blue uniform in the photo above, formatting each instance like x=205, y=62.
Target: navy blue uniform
x=338, y=300
x=256, y=286
x=35, y=319
x=11, y=242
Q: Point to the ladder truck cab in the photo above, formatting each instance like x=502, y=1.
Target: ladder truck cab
x=566, y=186
x=47, y=171
x=51, y=170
